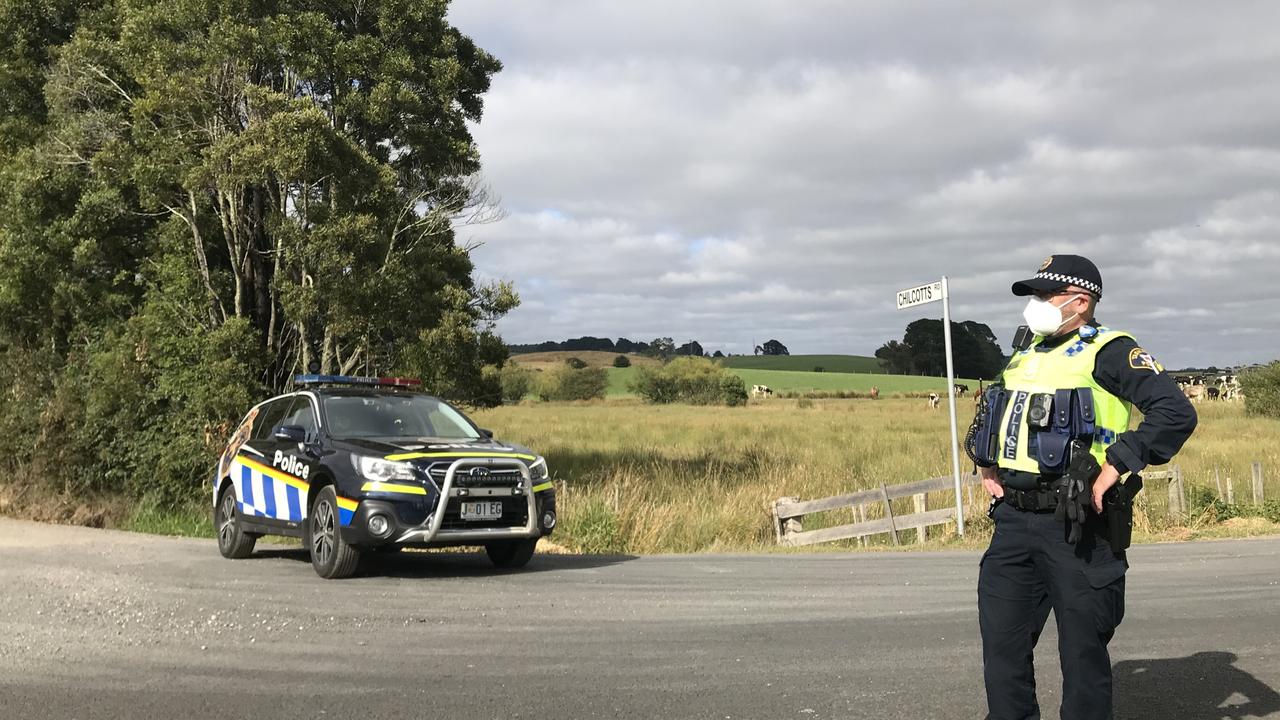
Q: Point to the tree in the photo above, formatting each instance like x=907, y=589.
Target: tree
x=922, y=351
x=773, y=347
x=690, y=348
x=663, y=347
x=198, y=198
x=622, y=361
x=717, y=354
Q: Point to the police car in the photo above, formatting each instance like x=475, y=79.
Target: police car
x=356, y=464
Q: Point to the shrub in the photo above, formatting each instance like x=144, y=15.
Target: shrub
x=1261, y=388
x=516, y=383
x=693, y=380
x=566, y=383
x=622, y=361
x=575, y=363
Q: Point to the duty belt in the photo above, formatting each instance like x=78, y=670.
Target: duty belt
x=1040, y=499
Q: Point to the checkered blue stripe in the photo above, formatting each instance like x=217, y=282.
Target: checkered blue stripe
x=1094, y=288
x=1105, y=436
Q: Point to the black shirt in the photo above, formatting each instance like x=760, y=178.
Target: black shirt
x=1168, y=418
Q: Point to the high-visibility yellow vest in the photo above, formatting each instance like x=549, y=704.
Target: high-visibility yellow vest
x=1070, y=365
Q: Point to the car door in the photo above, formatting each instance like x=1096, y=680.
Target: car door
x=293, y=460
x=255, y=473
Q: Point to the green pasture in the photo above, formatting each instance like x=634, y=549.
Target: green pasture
x=781, y=381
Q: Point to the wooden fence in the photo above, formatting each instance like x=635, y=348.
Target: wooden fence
x=1223, y=484
x=788, y=512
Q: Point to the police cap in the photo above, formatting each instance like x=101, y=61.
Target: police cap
x=1059, y=271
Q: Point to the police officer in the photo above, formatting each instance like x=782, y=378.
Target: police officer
x=1033, y=565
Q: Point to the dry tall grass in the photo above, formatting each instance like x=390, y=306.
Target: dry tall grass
x=646, y=479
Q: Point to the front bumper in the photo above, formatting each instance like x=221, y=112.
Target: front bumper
x=417, y=522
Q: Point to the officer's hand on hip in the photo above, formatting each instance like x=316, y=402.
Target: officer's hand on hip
x=1106, y=479
x=990, y=482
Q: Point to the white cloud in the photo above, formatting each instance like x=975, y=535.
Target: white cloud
x=730, y=170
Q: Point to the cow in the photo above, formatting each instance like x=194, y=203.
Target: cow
x=875, y=393
x=961, y=389
x=1194, y=392
x=1212, y=392
x=934, y=399
x=761, y=391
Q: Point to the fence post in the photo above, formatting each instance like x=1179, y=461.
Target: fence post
x=1231, y=490
x=1257, y=483
x=922, y=533
x=777, y=522
x=862, y=517
x=888, y=513
x=1217, y=480
x=1182, y=493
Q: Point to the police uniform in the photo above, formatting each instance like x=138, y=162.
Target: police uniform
x=1093, y=376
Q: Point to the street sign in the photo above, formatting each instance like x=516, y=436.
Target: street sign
x=921, y=295
x=911, y=297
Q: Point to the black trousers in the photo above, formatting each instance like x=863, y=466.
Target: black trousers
x=1029, y=569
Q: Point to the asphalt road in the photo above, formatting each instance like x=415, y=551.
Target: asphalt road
x=101, y=624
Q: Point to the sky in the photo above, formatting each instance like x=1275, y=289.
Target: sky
x=732, y=171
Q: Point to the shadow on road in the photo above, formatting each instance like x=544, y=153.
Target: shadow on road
x=1204, y=686
x=453, y=564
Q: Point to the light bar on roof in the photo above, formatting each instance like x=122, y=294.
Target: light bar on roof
x=355, y=380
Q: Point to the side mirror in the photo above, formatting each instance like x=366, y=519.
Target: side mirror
x=487, y=434
x=290, y=433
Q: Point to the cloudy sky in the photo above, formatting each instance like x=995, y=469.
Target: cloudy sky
x=732, y=170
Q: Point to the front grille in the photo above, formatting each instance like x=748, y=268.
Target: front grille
x=515, y=513
x=504, y=477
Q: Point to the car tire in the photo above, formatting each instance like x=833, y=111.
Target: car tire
x=233, y=542
x=511, y=553
x=331, y=556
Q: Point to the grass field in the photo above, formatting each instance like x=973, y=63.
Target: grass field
x=644, y=479
x=806, y=363
x=787, y=381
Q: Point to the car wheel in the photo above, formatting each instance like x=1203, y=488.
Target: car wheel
x=233, y=541
x=511, y=553
x=331, y=556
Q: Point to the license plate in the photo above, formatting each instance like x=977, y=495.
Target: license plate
x=487, y=510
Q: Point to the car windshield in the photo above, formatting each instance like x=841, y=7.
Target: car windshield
x=401, y=416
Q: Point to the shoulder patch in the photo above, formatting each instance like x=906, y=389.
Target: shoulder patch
x=1140, y=359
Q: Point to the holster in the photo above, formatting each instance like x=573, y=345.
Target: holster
x=986, y=440
x=1117, y=509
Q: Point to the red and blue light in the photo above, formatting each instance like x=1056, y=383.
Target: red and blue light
x=356, y=380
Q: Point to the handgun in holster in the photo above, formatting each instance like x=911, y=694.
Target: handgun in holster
x=1117, y=502
x=1117, y=509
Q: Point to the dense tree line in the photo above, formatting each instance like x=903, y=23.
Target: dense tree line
x=199, y=199
x=658, y=347
x=922, y=350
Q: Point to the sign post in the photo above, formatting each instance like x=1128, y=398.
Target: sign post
x=921, y=295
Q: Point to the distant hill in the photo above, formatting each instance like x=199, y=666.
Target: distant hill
x=806, y=363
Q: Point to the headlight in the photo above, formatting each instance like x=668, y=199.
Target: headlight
x=378, y=470
x=538, y=470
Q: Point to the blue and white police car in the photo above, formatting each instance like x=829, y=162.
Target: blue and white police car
x=357, y=464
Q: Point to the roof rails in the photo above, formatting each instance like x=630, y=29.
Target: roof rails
x=356, y=380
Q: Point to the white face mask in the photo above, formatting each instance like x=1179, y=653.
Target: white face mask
x=1044, y=318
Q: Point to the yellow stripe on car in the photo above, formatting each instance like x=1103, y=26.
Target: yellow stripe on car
x=274, y=473
x=346, y=504
x=544, y=486
x=417, y=455
x=393, y=488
